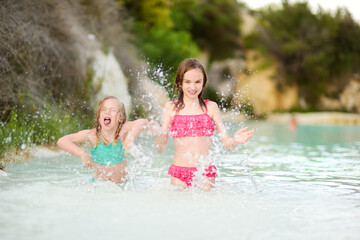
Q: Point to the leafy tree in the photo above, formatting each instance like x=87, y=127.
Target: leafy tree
x=346, y=40
x=314, y=50
x=214, y=25
x=163, y=45
x=165, y=49
x=149, y=12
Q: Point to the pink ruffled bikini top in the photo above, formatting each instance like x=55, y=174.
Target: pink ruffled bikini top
x=192, y=125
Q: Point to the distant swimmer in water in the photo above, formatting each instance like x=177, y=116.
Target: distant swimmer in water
x=110, y=139
x=293, y=123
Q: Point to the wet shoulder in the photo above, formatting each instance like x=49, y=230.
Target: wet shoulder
x=212, y=108
x=92, y=136
x=170, y=108
x=127, y=126
x=211, y=105
x=170, y=105
x=90, y=133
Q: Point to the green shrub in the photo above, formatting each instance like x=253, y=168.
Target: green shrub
x=26, y=127
x=168, y=32
x=165, y=49
x=215, y=26
x=314, y=50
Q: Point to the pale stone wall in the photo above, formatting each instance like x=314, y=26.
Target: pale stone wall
x=112, y=70
x=350, y=97
x=258, y=87
x=323, y=118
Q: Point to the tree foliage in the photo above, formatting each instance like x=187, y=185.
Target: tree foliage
x=215, y=26
x=162, y=45
x=314, y=50
x=150, y=12
x=169, y=31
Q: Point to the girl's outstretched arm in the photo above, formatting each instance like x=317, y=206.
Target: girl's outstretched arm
x=68, y=143
x=162, y=137
x=131, y=130
x=241, y=136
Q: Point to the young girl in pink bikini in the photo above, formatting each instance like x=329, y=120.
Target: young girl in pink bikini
x=191, y=121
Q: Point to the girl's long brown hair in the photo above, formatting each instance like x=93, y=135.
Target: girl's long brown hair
x=97, y=125
x=185, y=66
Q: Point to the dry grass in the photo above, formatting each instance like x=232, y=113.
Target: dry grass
x=43, y=81
x=37, y=57
x=39, y=62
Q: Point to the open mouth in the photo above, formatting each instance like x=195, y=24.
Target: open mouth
x=107, y=121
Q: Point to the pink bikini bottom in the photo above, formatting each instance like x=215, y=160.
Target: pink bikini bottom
x=186, y=174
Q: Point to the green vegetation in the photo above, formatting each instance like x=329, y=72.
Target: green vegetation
x=162, y=45
x=175, y=46
x=314, y=50
x=26, y=127
x=39, y=58
x=41, y=70
x=215, y=26
x=167, y=31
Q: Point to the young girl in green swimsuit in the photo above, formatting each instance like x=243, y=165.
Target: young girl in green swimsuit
x=111, y=139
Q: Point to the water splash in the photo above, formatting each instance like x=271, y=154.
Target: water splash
x=236, y=109
x=109, y=75
x=150, y=93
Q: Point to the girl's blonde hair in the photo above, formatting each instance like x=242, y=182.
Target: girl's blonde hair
x=97, y=124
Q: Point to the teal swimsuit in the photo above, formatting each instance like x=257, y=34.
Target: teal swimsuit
x=108, y=155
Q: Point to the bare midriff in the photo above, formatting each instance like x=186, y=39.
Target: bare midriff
x=116, y=173
x=189, y=151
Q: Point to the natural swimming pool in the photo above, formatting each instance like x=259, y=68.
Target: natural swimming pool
x=281, y=185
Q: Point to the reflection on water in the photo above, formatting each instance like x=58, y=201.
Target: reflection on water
x=281, y=185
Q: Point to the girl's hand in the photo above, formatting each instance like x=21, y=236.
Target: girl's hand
x=86, y=160
x=242, y=136
x=154, y=128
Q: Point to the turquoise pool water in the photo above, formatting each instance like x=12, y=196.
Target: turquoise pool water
x=281, y=185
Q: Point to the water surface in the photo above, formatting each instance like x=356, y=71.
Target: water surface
x=280, y=185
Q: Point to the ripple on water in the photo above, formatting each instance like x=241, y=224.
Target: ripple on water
x=276, y=189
